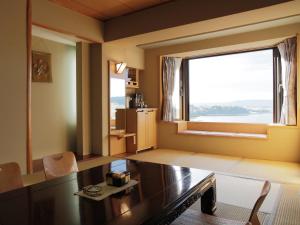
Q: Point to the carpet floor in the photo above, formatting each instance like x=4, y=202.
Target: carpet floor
x=280, y=172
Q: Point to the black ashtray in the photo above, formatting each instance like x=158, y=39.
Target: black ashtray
x=117, y=179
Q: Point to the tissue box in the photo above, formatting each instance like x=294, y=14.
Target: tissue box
x=117, y=179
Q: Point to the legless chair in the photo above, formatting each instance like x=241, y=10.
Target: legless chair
x=264, y=192
x=10, y=177
x=59, y=165
x=194, y=217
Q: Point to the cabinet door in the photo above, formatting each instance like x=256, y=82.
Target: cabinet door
x=141, y=130
x=151, y=131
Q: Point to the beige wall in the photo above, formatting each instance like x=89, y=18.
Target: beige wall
x=283, y=142
x=13, y=82
x=54, y=104
x=134, y=57
x=61, y=19
x=13, y=78
x=13, y=65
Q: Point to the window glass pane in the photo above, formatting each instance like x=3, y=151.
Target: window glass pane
x=176, y=95
x=117, y=95
x=232, y=88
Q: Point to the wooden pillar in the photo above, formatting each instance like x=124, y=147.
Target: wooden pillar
x=83, y=98
x=96, y=98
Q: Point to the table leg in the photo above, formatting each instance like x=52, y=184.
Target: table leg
x=208, y=199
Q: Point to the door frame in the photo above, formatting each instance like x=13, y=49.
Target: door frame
x=28, y=89
x=29, y=24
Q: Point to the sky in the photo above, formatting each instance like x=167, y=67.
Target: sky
x=221, y=79
x=117, y=87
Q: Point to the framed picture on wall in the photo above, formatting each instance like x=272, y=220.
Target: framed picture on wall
x=41, y=67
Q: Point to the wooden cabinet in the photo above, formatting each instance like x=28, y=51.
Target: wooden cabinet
x=118, y=140
x=143, y=123
x=151, y=129
x=141, y=130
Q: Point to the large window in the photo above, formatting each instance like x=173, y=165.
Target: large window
x=231, y=88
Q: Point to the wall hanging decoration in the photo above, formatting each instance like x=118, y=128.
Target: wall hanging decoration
x=41, y=67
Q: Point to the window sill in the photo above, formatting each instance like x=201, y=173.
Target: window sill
x=223, y=134
x=251, y=131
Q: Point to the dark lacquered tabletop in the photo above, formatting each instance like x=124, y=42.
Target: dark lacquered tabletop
x=54, y=203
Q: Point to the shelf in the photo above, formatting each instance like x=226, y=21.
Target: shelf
x=132, y=84
x=133, y=78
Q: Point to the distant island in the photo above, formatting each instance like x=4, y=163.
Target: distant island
x=119, y=100
x=237, y=108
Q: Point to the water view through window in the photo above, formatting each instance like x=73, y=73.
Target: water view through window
x=232, y=88
x=117, y=95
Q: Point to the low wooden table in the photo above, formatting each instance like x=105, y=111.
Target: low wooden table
x=162, y=194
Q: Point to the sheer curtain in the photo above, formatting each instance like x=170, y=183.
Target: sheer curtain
x=287, y=50
x=169, y=66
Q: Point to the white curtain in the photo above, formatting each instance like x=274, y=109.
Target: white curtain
x=287, y=50
x=169, y=67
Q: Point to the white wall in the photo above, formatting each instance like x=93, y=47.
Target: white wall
x=54, y=104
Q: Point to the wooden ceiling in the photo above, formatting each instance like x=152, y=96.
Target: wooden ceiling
x=107, y=9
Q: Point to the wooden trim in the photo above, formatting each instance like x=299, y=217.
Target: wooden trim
x=185, y=90
x=186, y=77
x=65, y=32
x=224, y=134
x=232, y=52
x=298, y=79
x=109, y=111
x=277, y=90
x=28, y=90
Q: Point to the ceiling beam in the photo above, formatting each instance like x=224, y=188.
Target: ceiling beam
x=176, y=13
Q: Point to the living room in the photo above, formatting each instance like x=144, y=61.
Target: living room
x=242, y=153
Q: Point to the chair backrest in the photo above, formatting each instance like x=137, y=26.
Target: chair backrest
x=59, y=165
x=264, y=192
x=10, y=177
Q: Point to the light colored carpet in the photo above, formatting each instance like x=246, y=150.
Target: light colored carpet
x=188, y=159
x=280, y=172
x=87, y=164
x=288, y=212
x=243, y=193
x=165, y=156
x=283, y=172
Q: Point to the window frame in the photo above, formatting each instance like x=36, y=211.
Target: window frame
x=277, y=83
